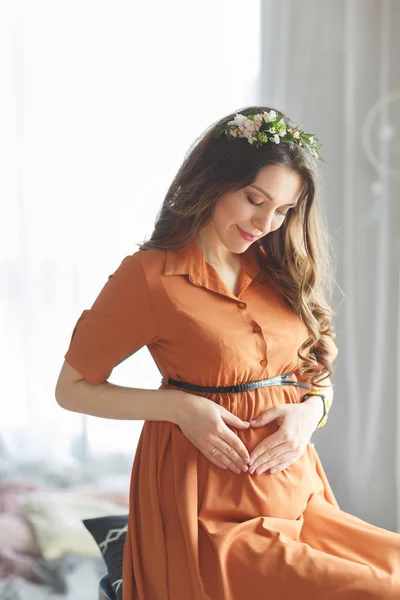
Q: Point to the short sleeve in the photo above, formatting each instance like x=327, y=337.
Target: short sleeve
x=119, y=323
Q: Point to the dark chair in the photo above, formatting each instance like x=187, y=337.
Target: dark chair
x=106, y=592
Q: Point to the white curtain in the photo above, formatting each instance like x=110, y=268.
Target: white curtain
x=99, y=102
x=333, y=65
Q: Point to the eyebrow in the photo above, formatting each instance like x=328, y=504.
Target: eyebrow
x=269, y=195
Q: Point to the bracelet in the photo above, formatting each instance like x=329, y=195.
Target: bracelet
x=325, y=402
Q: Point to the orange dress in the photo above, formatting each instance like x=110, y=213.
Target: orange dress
x=197, y=532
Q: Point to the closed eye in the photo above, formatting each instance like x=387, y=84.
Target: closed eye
x=259, y=204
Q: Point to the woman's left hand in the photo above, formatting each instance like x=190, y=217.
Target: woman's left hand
x=296, y=422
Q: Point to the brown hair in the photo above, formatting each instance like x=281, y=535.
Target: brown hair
x=296, y=256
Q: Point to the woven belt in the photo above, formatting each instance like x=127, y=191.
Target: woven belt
x=240, y=387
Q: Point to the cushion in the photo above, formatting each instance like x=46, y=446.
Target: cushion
x=110, y=534
x=56, y=517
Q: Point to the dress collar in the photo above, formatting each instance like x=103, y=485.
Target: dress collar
x=189, y=260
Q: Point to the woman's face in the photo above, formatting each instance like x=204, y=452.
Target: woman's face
x=250, y=211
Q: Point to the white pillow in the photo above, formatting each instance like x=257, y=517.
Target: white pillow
x=56, y=517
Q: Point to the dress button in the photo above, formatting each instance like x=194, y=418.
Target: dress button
x=241, y=305
x=257, y=329
x=263, y=362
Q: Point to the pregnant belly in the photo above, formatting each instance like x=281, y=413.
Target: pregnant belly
x=283, y=495
x=191, y=487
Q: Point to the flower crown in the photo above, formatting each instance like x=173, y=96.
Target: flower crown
x=256, y=126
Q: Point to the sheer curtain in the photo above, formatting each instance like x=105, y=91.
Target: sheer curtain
x=333, y=65
x=99, y=103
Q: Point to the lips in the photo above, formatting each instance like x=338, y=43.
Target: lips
x=247, y=236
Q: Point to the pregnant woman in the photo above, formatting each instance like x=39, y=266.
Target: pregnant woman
x=229, y=499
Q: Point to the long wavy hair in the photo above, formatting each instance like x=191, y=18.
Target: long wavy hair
x=297, y=256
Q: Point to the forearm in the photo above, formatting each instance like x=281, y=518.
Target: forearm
x=110, y=401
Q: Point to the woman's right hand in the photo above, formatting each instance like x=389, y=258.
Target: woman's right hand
x=205, y=424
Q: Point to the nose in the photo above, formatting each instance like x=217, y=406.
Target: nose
x=264, y=222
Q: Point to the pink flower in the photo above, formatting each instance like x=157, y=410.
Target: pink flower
x=247, y=127
x=258, y=119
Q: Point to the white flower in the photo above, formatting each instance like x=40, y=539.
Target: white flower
x=238, y=120
x=296, y=134
x=269, y=116
x=281, y=127
x=276, y=138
